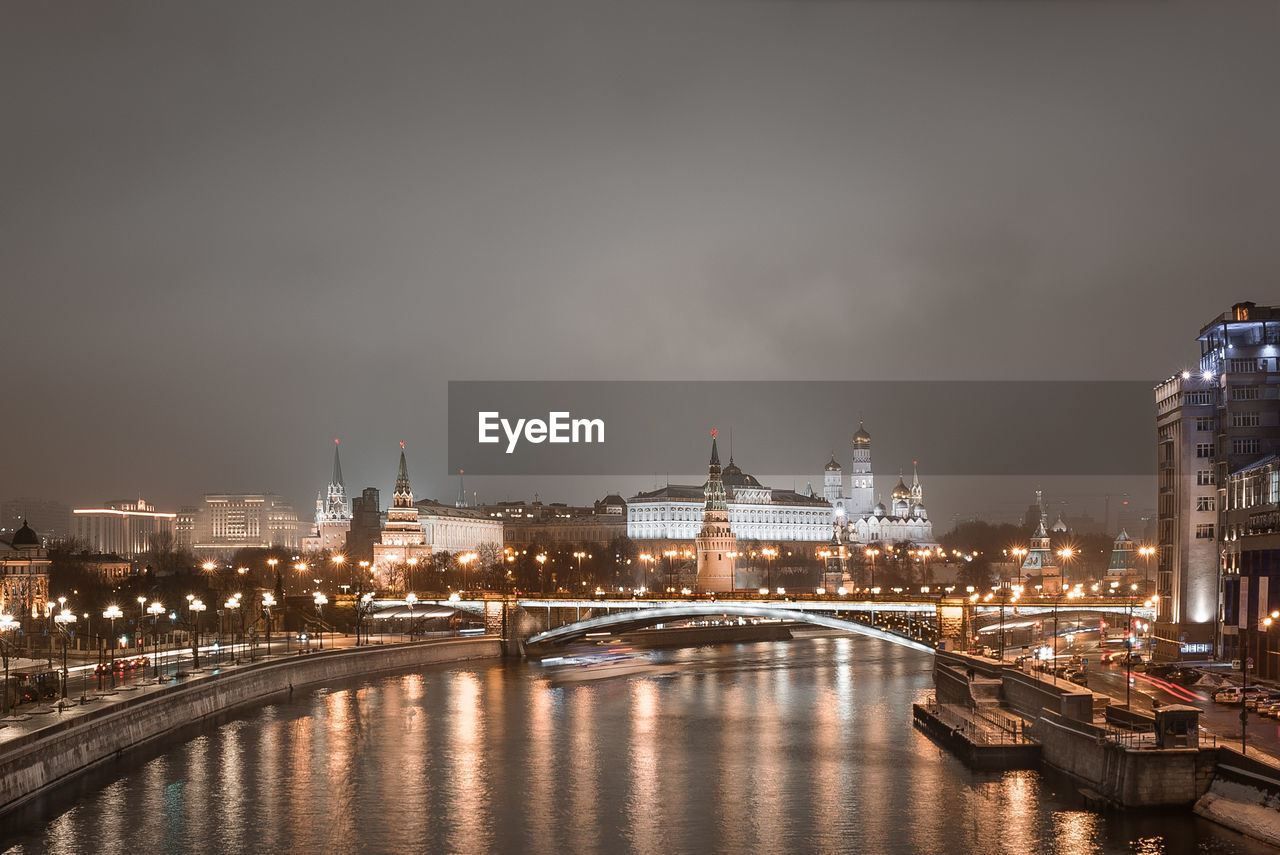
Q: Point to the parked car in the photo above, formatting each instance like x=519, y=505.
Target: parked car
x=1229, y=695
x=1080, y=677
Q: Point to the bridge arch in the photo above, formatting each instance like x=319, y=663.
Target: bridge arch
x=638, y=618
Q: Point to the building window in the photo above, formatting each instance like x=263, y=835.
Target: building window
x=1204, y=424
x=1204, y=503
x=1204, y=531
x=1244, y=419
x=1275, y=487
x=1247, y=365
x=1193, y=398
x=1245, y=446
x=1244, y=393
x=1204, y=450
x=1204, y=477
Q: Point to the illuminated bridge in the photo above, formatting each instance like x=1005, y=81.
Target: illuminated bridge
x=917, y=622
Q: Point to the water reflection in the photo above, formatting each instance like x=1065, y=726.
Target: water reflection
x=802, y=747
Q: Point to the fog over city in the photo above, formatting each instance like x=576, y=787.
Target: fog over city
x=231, y=233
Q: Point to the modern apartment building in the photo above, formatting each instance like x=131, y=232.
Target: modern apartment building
x=1218, y=430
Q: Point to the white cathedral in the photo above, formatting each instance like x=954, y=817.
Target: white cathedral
x=758, y=512
x=861, y=521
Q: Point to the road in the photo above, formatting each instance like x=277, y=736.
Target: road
x=1222, y=721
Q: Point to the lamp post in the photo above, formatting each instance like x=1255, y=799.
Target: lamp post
x=410, y=599
x=320, y=599
x=155, y=610
x=232, y=605
x=769, y=554
x=1065, y=553
x=1146, y=552
x=541, y=558
x=647, y=559
x=410, y=563
x=268, y=600
x=467, y=557
x=111, y=613
x=363, y=606
x=64, y=619
x=1128, y=648
x=196, y=607
x=1018, y=554
x=872, y=553
x=7, y=622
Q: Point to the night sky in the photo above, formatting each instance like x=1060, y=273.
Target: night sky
x=233, y=231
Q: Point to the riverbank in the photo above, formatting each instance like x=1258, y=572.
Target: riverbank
x=42, y=758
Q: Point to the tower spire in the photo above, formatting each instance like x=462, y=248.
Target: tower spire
x=462, y=493
x=403, y=494
x=336, y=478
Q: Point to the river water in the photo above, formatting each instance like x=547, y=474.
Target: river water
x=788, y=747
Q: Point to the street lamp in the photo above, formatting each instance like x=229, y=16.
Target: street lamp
x=1146, y=552
x=411, y=563
x=467, y=557
x=232, y=605
x=410, y=599
x=1065, y=553
x=111, y=613
x=320, y=599
x=64, y=619
x=1018, y=554
x=268, y=600
x=872, y=553
x=541, y=558
x=647, y=560
x=196, y=607
x=155, y=610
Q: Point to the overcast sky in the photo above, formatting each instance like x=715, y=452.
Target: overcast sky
x=233, y=231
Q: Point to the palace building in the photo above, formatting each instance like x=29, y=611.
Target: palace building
x=758, y=512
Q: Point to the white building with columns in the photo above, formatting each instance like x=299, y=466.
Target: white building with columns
x=758, y=512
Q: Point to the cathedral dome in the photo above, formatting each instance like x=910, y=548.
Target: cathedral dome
x=861, y=437
x=917, y=510
x=25, y=536
x=832, y=465
x=879, y=509
x=900, y=491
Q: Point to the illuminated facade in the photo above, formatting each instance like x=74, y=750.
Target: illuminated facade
x=715, y=542
x=1240, y=361
x=758, y=512
x=904, y=520
x=1218, y=420
x=122, y=528
x=333, y=514
x=403, y=540
x=230, y=521
x=24, y=575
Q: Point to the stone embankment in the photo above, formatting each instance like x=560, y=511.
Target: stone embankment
x=37, y=761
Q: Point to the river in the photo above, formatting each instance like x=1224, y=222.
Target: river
x=804, y=746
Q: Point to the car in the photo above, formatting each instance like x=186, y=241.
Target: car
x=1079, y=677
x=1229, y=695
x=1269, y=710
x=1259, y=700
x=102, y=668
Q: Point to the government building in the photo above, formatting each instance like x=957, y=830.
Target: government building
x=758, y=512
